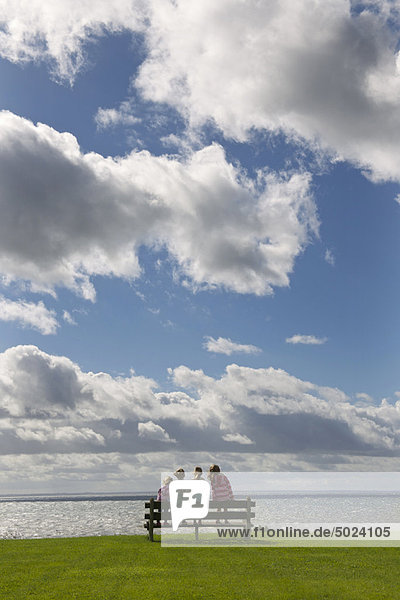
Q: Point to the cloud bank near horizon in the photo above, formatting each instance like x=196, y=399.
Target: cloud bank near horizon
x=60, y=424
x=47, y=403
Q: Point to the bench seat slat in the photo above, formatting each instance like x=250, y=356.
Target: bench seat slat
x=239, y=524
x=230, y=503
x=232, y=515
x=213, y=504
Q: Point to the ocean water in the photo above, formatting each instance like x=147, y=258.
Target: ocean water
x=63, y=516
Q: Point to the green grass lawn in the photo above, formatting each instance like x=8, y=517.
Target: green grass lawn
x=130, y=567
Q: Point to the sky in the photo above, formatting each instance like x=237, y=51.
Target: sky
x=199, y=239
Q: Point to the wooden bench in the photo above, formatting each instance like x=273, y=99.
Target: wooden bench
x=239, y=511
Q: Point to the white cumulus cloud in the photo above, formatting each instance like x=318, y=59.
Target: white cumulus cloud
x=316, y=70
x=68, y=318
x=330, y=257
x=58, y=32
x=226, y=346
x=306, y=339
x=45, y=432
x=110, y=117
x=87, y=215
x=29, y=314
x=238, y=438
x=154, y=432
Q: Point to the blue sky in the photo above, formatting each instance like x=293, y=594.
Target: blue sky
x=207, y=197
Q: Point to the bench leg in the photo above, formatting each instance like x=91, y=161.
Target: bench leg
x=151, y=520
x=248, y=520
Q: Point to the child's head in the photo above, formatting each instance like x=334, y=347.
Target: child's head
x=180, y=473
x=197, y=473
